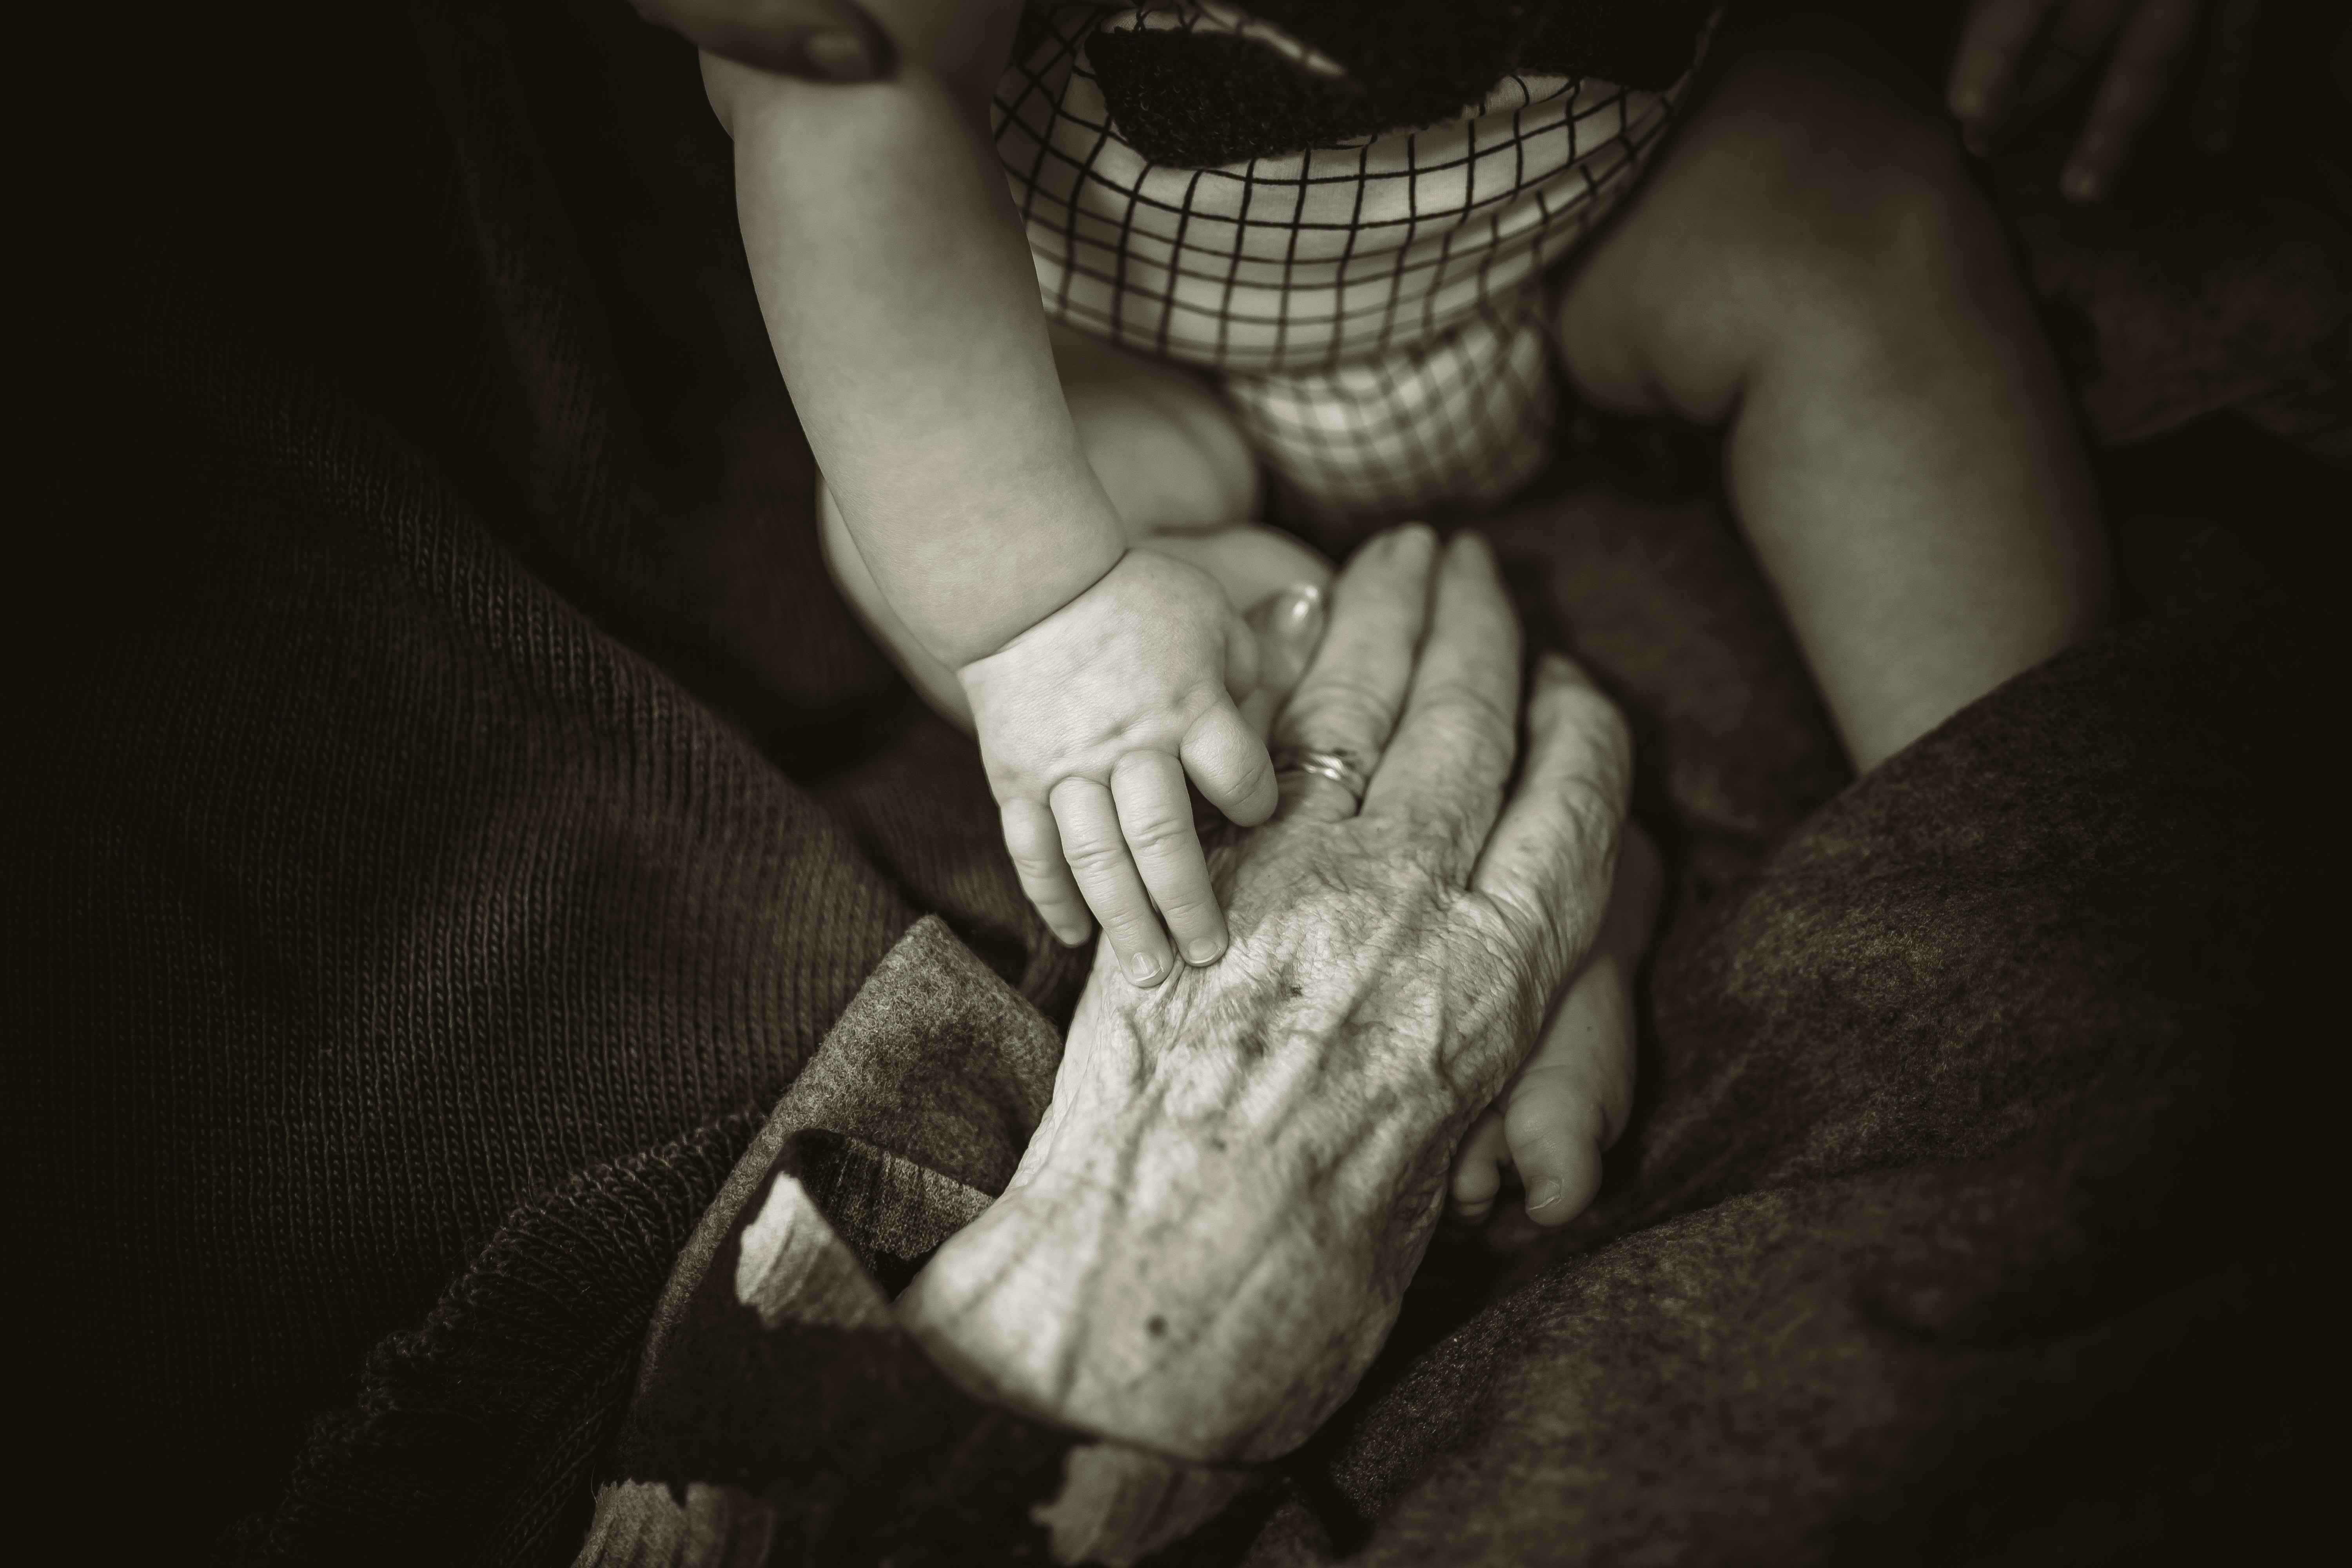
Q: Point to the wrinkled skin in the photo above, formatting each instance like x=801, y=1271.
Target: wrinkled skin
x=1210, y=1233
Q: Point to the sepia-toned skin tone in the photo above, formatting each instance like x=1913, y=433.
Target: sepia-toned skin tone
x=1103, y=681
x=1209, y=1235
x=1810, y=270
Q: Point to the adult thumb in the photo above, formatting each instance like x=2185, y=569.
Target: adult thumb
x=826, y=40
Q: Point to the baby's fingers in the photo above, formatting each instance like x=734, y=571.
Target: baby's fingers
x=1095, y=849
x=1156, y=814
x=1036, y=846
x=1228, y=762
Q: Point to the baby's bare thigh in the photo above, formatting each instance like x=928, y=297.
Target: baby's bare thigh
x=1809, y=194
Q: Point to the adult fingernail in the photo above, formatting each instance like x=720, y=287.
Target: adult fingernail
x=1204, y=951
x=842, y=56
x=1142, y=968
x=1543, y=1194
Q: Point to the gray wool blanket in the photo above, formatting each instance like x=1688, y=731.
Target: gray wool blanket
x=458, y=855
x=1964, y=1221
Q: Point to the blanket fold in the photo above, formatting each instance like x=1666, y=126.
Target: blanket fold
x=782, y=1416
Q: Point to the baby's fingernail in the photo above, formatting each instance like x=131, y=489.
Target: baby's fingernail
x=1300, y=613
x=1205, y=951
x=1291, y=614
x=1142, y=968
x=1543, y=1194
x=842, y=56
x=2082, y=185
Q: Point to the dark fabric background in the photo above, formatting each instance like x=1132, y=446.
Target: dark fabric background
x=445, y=804
x=438, y=763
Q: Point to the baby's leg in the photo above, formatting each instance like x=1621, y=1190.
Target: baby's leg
x=1173, y=463
x=1810, y=264
x=1177, y=467
x=1568, y=1101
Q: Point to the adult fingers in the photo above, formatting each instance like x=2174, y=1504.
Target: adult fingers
x=1228, y=762
x=1992, y=40
x=830, y=40
x=1096, y=849
x=1549, y=862
x=1452, y=754
x=2081, y=38
x=2136, y=81
x=1036, y=846
x=1156, y=815
x=1349, y=698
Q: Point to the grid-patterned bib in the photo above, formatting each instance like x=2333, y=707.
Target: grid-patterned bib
x=1373, y=310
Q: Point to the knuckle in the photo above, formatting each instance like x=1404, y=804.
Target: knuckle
x=1594, y=816
x=1096, y=858
x=1129, y=926
x=1036, y=868
x=1159, y=837
x=1255, y=773
x=1185, y=909
x=1431, y=858
x=1349, y=704
x=1472, y=703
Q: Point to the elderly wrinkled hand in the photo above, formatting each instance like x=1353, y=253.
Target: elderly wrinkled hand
x=1211, y=1230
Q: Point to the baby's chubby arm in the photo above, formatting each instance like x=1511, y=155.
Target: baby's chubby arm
x=898, y=292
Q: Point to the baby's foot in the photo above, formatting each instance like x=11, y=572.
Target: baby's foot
x=1569, y=1100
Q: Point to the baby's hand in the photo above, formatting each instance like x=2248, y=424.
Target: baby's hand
x=1090, y=722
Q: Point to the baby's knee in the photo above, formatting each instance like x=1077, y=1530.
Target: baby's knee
x=1893, y=245
x=1794, y=218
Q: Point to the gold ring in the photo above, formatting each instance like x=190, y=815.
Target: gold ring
x=1341, y=767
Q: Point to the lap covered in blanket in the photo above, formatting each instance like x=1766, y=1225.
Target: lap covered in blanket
x=1970, y=1214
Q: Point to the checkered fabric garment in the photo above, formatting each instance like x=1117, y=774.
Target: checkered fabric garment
x=1373, y=310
